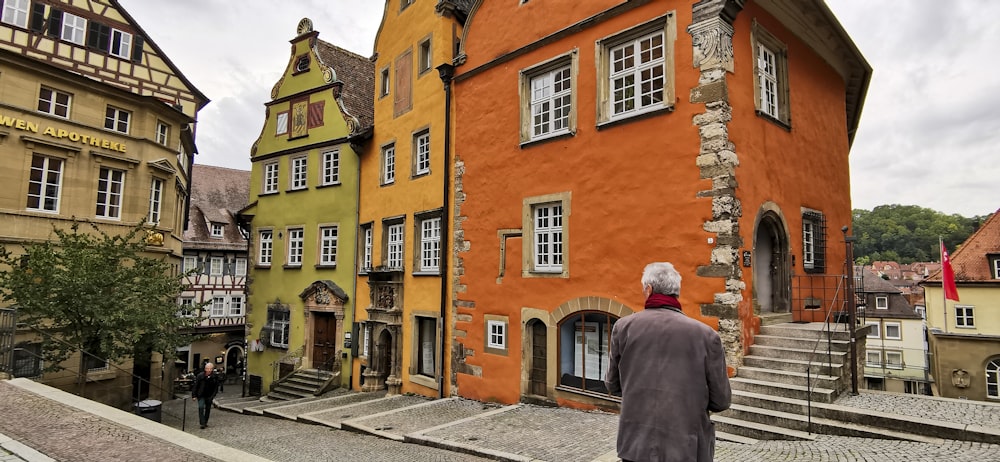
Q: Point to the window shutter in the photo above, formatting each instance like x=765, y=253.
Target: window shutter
x=37, y=17
x=98, y=36
x=136, y=48
x=55, y=23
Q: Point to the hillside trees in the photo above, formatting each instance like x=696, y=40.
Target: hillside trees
x=908, y=233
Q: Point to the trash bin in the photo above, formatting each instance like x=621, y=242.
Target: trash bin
x=150, y=409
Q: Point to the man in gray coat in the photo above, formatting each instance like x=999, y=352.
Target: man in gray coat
x=671, y=373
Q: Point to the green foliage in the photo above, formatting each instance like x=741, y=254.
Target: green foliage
x=101, y=293
x=908, y=233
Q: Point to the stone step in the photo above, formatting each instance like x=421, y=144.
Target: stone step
x=802, y=343
x=821, y=425
x=280, y=393
x=260, y=408
x=789, y=377
x=822, y=395
x=817, y=357
x=336, y=416
x=310, y=388
x=767, y=319
x=786, y=364
x=757, y=430
x=293, y=410
x=798, y=330
x=733, y=438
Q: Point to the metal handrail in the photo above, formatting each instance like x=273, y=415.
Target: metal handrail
x=297, y=354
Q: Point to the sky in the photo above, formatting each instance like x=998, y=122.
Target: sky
x=929, y=132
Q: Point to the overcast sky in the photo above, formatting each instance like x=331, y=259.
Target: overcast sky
x=929, y=132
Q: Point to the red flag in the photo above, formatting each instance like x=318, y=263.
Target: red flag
x=948, y=276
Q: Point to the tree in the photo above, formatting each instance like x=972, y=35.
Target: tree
x=908, y=233
x=98, y=293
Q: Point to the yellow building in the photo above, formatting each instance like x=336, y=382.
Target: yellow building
x=403, y=213
x=964, y=335
x=895, y=356
x=303, y=213
x=96, y=125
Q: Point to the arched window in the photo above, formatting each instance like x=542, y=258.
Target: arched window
x=584, y=345
x=993, y=378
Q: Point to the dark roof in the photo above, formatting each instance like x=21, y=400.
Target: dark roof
x=462, y=6
x=358, y=75
x=875, y=286
x=217, y=193
x=970, y=261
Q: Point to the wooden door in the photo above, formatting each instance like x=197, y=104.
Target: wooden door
x=324, y=341
x=538, y=372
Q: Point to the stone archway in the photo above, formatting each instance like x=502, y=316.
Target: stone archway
x=772, y=272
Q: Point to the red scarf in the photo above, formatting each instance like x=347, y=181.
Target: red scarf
x=661, y=301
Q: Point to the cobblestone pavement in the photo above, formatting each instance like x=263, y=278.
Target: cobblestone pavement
x=426, y=417
x=66, y=433
x=837, y=448
x=943, y=409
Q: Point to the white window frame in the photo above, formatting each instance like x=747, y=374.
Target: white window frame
x=366, y=333
x=155, y=200
x=53, y=104
x=190, y=263
x=115, y=118
x=240, y=267
x=425, y=56
x=395, y=235
x=551, y=101
x=124, y=42
x=281, y=123
x=899, y=330
x=425, y=350
x=111, y=206
x=993, y=379
x=186, y=307
x=330, y=173
x=299, y=178
x=215, y=266
x=74, y=28
x=996, y=268
x=15, y=13
x=279, y=338
x=218, y=309
x=965, y=316
x=296, y=244
x=422, y=153
x=808, y=243
x=217, y=229
x=496, y=334
x=876, y=332
x=868, y=358
x=430, y=244
x=328, y=236
x=235, y=305
x=384, y=83
x=770, y=59
x=48, y=191
x=881, y=302
x=767, y=76
x=389, y=164
x=265, y=247
x=367, y=247
x=162, y=132
x=271, y=172
x=547, y=237
x=889, y=364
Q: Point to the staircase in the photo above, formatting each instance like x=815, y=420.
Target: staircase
x=304, y=383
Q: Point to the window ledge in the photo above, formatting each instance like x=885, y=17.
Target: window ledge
x=426, y=273
x=429, y=382
x=637, y=116
x=495, y=351
x=786, y=125
x=613, y=399
x=292, y=266
x=420, y=175
x=326, y=266
x=269, y=193
x=545, y=274
x=297, y=190
x=548, y=137
x=328, y=185
x=262, y=266
x=100, y=375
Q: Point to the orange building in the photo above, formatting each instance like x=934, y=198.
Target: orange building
x=401, y=290
x=595, y=139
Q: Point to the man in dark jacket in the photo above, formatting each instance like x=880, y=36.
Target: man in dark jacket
x=671, y=373
x=206, y=384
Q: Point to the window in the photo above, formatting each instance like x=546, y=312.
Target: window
x=770, y=76
x=190, y=263
x=240, y=269
x=117, y=119
x=874, y=329
x=964, y=316
x=279, y=324
x=430, y=244
x=893, y=331
x=549, y=109
x=366, y=330
x=996, y=269
x=73, y=28
x=162, y=132
x=27, y=360
x=155, y=200
x=366, y=248
x=271, y=178
x=218, y=306
x=394, y=246
x=44, y=183
x=993, y=379
x=328, y=245
x=295, y=242
x=281, y=123
x=217, y=229
x=548, y=238
x=497, y=334
x=331, y=168
x=121, y=44
x=422, y=153
x=873, y=358
x=215, y=266
x=54, y=102
x=404, y=3
x=109, y=193
x=389, y=164
x=426, y=341
x=813, y=242
x=236, y=305
x=881, y=303
x=384, y=86
x=635, y=70
x=425, y=60
x=299, y=173
x=584, y=342
x=266, y=246
x=302, y=64
x=15, y=12
x=894, y=359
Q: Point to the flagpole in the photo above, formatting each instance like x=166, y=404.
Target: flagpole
x=944, y=293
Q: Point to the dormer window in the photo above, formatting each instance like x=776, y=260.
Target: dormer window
x=881, y=302
x=302, y=64
x=996, y=267
x=217, y=229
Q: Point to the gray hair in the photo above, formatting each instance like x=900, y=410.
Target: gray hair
x=662, y=278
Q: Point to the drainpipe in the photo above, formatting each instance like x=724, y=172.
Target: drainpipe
x=446, y=72
x=852, y=309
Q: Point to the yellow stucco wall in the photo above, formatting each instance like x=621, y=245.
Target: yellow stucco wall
x=985, y=301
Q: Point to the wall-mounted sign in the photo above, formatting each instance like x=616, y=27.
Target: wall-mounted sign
x=59, y=133
x=746, y=258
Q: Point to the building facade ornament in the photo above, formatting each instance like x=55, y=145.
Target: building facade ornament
x=713, y=44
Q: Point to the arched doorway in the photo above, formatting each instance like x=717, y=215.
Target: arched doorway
x=234, y=362
x=537, y=370
x=771, y=265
